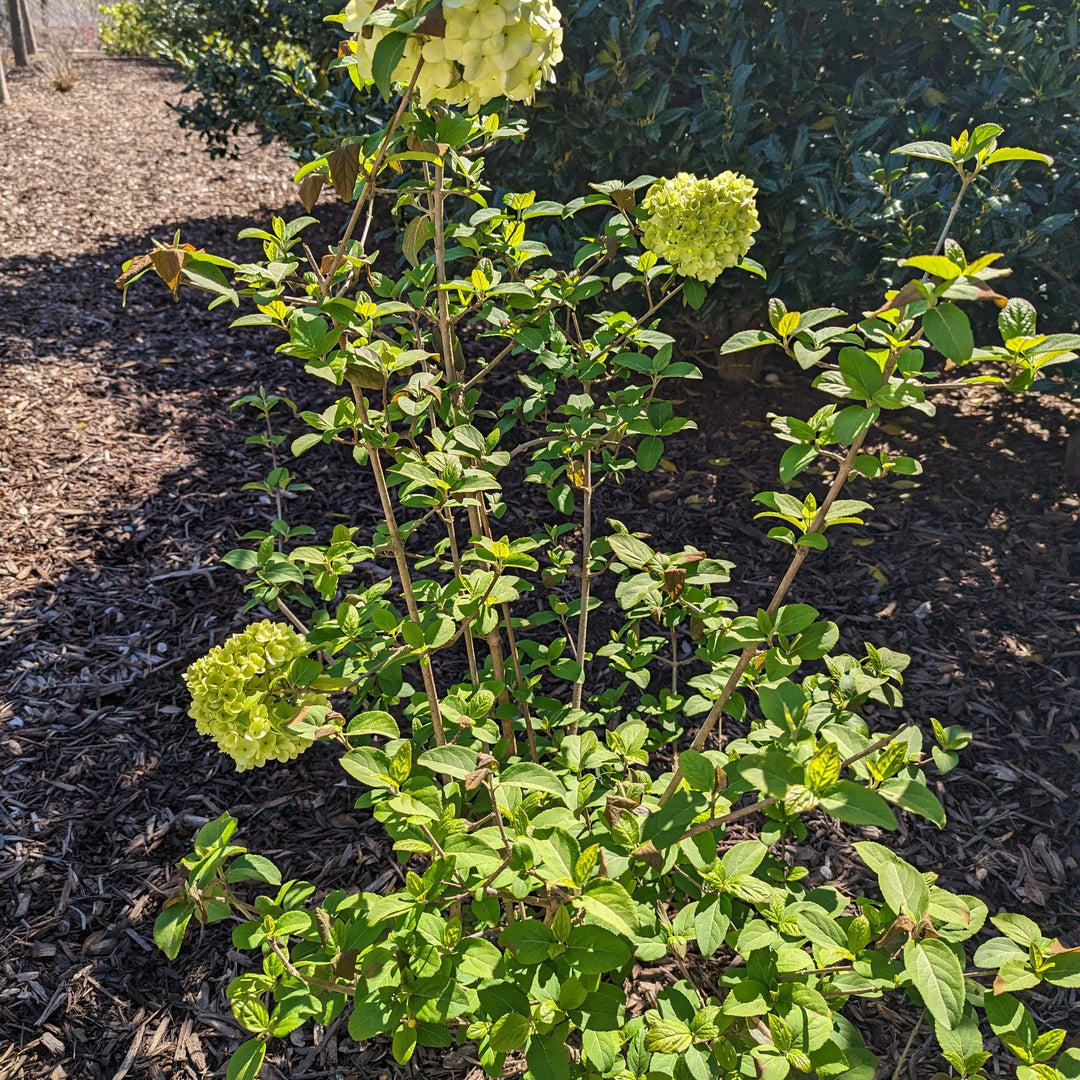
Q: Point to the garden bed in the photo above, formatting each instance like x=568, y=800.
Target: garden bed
x=120, y=468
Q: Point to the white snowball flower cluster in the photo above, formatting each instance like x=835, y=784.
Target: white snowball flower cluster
x=236, y=695
x=701, y=226
x=488, y=49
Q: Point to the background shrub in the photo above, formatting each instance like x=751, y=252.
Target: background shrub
x=129, y=28
x=808, y=97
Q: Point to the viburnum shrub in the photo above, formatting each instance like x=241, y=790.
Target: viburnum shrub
x=560, y=798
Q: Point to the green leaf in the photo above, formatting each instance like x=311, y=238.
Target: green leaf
x=771, y=773
x=698, y=770
x=1008, y=1016
x=964, y=1040
x=695, y=293
x=374, y=722
x=1016, y=975
x=387, y=56
x=751, y=266
x=561, y=496
x=369, y=766
x=820, y=928
x=938, y=975
x=665, y=826
x=592, y=950
x=858, y=805
x=403, y=1044
x=997, y=952
x=901, y=884
x=529, y=940
x=242, y=558
x=747, y=998
x=1018, y=928
x=600, y=1048
x=567, y=669
x=748, y=339
x=929, y=149
x=371, y=1016
x=668, y=1036
x=292, y=922
x=1064, y=970
x=795, y=459
x=744, y=857
x=171, y=925
x=938, y=265
x=793, y=619
x=246, y=1060
x=548, y=1058
x=711, y=923
x=455, y=761
x=609, y=902
x=949, y=331
x=509, y=1032
x=649, y=452
x=823, y=769
x=532, y=777
x=1016, y=153
x=909, y=794
x=254, y=868
x=956, y=917
x=1068, y=1065
x=292, y=1011
x=860, y=371
x=502, y=996
x=1048, y=1044
x=478, y=958
x=217, y=832
x=630, y=550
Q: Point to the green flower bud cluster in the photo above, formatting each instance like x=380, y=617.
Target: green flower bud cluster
x=701, y=227
x=242, y=698
x=488, y=49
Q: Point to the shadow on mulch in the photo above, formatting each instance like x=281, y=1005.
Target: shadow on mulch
x=122, y=468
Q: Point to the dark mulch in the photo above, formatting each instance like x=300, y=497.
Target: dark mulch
x=119, y=474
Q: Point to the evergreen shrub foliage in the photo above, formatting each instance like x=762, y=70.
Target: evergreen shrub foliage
x=806, y=97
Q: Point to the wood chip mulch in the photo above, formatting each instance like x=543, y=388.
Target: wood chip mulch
x=120, y=469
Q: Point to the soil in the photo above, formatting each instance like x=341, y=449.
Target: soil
x=120, y=470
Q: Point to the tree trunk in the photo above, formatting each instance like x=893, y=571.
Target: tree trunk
x=18, y=39
x=5, y=98
x=28, y=29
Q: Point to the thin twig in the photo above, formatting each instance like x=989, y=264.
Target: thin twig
x=908, y=1046
x=311, y=980
x=368, y=190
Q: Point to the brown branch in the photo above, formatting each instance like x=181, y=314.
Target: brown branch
x=368, y=190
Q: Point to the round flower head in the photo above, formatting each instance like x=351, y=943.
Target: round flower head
x=238, y=695
x=701, y=227
x=487, y=49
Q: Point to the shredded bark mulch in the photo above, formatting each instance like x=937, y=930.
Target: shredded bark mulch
x=120, y=470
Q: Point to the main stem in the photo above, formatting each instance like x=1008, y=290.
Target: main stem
x=398, y=547
x=586, y=582
x=774, y=606
x=438, y=220
x=470, y=647
x=965, y=182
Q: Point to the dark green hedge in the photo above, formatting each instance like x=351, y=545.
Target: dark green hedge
x=806, y=96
